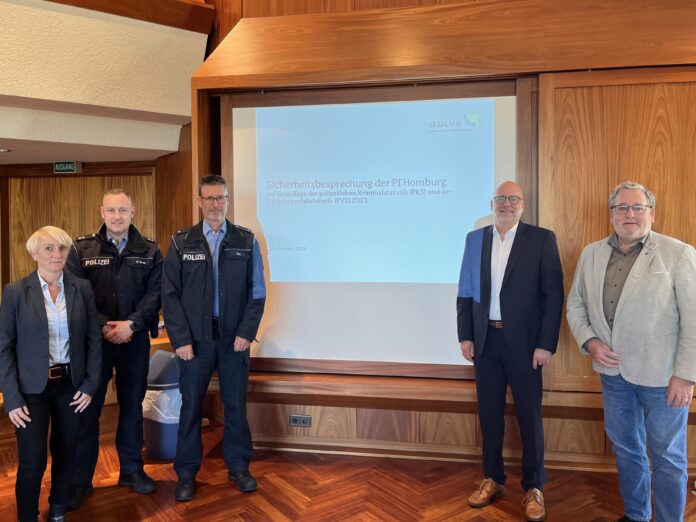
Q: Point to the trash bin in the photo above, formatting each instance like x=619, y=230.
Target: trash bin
x=161, y=406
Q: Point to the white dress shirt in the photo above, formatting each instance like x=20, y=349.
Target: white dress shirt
x=500, y=253
x=57, y=315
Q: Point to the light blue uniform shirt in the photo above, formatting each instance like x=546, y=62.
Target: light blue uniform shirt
x=214, y=240
x=57, y=315
x=120, y=245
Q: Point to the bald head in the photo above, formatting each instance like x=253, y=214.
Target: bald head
x=507, y=205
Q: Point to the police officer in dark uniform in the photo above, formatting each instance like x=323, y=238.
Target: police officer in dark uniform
x=213, y=295
x=125, y=270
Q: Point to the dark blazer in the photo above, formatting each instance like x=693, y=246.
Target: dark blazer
x=531, y=297
x=24, y=338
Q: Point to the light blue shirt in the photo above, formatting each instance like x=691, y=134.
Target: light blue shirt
x=57, y=315
x=214, y=240
x=120, y=245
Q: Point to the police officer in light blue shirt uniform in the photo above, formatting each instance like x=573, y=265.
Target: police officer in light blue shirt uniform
x=213, y=295
x=125, y=271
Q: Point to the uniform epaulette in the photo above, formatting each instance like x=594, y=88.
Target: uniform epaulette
x=149, y=239
x=88, y=236
x=245, y=229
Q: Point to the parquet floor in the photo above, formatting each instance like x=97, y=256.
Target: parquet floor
x=311, y=487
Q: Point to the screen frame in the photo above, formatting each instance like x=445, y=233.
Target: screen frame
x=525, y=92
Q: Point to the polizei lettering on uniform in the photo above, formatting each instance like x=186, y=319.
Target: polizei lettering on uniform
x=96, y=261
x=195, y=256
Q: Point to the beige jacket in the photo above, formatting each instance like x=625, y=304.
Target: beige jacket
x=655, y=321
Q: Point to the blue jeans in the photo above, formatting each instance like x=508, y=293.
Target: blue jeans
x=633, y=413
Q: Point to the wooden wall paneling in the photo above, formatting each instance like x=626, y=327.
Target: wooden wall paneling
x=445, y=428
x=37, y=202
x=569, y=443
x=174, y=190
x=389, y=425
x=200, y=142
x=385, y=93
x=390, y=4
x=414, y=417
x=226, y=147
x=71, y=203
x=141, y=189
x=437, y=371
x=265, y=8
x=526, y=152
x=227, y=14
x=327, y=422
x=107, y=168
x=574, y=436
x=598, y=129
x=690, y=442
x=191, y=15
x=4, y=231
x=445, y=42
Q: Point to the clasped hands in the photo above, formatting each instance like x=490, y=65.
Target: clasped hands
x=117, y=332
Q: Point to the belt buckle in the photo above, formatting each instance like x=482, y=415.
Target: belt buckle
x=55, y=372
x=496, y=324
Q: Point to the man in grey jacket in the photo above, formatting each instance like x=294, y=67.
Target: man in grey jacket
x=624, y=308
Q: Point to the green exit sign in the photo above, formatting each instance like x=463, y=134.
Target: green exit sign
x=67, y=167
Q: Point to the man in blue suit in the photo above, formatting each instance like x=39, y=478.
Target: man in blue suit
x=509, y=311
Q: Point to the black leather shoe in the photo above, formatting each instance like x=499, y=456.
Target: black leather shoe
x=185, y=490
x=245, y=482
x=77, y=495
x=139, y=481
x=58, y=513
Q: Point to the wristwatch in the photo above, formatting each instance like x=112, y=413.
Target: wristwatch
x=132, y=326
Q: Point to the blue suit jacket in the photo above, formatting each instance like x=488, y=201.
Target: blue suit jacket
x=24, y=338
x=531, y=298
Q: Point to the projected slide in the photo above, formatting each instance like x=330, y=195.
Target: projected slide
x=372, y=193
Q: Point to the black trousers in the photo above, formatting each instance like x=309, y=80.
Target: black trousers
x=194, y=377
x=131, y=362
x=495, y=368
x=50, y=407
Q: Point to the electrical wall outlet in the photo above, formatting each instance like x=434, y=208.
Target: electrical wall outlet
x=301, y=421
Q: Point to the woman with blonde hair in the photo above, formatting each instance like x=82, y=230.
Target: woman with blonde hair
x=50, y=355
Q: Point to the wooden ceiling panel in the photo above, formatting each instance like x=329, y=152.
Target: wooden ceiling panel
x=483, y=39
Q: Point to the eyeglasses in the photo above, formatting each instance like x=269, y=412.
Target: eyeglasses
x=637, y=209
x=220, y=200
x=514, y=200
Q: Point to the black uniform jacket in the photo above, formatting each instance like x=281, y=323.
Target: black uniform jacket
x=24, y=356
x=188, y=286
x=126, y=286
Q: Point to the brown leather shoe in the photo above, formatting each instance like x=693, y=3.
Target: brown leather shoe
x=534, y=508
x=487, y=491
